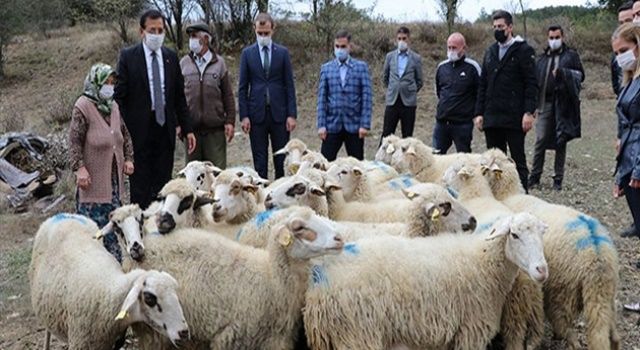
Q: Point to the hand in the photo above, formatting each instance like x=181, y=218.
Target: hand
x=617, y=146
x=322, y=132
x=635, y=183
x=191, y=143
x=229, y=130
x=246, y=125
x=179, y=133
x=291, y=124
x=617, y=191
x=477, y=121
x=128, y=167
x=362, y=133
x=527, y=122
x=83, y=178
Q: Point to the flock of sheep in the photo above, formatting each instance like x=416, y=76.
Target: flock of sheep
x=410, y=251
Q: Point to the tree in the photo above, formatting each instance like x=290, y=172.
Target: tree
x=117, y=14
x=448, y=9
x=263, y=5
x=522, y=6
x=176, y=12
x=13, y=19
x=611, y=5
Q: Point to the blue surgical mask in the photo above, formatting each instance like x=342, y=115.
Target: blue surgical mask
x=341, y=54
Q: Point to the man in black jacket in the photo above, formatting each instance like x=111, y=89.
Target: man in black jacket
x=560, y=74
x=625, y=15
x=150, y=94
x=508, y=92
x=457, y=80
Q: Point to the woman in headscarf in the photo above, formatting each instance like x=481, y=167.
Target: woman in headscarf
x=101, y=152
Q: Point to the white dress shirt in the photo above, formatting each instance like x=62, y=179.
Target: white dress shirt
x=260, y=47
x=203, y=61
x=148, y=58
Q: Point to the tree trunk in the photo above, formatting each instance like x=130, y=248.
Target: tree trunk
x=263, y=5
x=124, y=35
x=1, y=59
x=524, y=19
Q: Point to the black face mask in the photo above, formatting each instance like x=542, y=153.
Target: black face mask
x=500, y=35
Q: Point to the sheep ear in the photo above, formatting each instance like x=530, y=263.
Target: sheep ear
x=465, y=173
x=331, y=186
x=411, y=150
x=282, y=151
x=357, y=171
x=500, y=228
x=105, y=230
x=484, y=169
x=201, y=201
x=294, y=168
x=316, y=190
x=285, y=238
x=446, y=208
x=131, y=299
x=432, y=211
x=212, y=169
x=409, y=194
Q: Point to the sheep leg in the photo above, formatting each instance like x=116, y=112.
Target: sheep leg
x=559, y=311
x=47, y=339
x=600, y=315
x=615, y=337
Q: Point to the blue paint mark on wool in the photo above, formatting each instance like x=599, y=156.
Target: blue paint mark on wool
x=452, y=192
x=318, y=275
x=66, y=216
x=407, y=180
x=594, y=239
x=263, y=216
x=239, y=234
x=351, y=248
x=483, y=227
x=394, y=185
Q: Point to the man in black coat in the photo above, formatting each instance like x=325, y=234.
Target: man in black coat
x=560, y=74
x=150, y=94
x=508, y=92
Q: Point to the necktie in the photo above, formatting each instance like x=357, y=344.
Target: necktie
x=266, y=64
x=158, y=99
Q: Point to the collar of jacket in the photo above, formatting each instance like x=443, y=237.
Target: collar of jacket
x=348, y=62
x=214, y=57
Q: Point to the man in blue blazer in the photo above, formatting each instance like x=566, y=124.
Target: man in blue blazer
x=266, y=96
x=344, y=101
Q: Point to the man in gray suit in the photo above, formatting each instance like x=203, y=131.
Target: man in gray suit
x=402, y=77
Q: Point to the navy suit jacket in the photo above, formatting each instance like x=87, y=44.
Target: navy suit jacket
x=254, y=84
x=133, y=94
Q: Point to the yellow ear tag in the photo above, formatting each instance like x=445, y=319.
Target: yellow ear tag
x=294, y=168
x=435, y=215
x=285, y=239
x=498, y=174
x=121, y=315
x=390, y=149
x=411, y=195
x=98, y=235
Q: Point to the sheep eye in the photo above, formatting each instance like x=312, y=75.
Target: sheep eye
x=515, y=236
x=305, y=152
x=404, y=149
x=150, y=299
x=343, y=172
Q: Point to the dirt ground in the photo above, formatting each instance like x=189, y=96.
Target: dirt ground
x=588, y=186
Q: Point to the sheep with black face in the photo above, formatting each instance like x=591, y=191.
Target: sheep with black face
x=180, y=205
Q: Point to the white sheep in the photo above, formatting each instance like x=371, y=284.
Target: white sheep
x=81, y=295
x=238, y=297
x=180, y=205
x=293, y=152
x=298, y=190
x=440, y=292
x=387, y=148
x=414, y=157
x=523, y=317
x=583, y=262
x=234, y=200
x=200, y=174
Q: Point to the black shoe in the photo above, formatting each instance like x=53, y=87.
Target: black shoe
x=630, y=232
x=534, y=181
x=557, y=184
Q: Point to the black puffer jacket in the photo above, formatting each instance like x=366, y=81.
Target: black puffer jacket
x=508, y=87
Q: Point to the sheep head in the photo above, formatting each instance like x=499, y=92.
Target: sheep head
x=201, y=175
x=387, y=148
x=153, y=299
x=234, y=197
x=178, y=201
x=348, y=174
x=127, y=223
x=524, y=245
x=297, y=190
x=306, y=235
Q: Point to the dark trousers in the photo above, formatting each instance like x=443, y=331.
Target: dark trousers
x=446, y=133
x=399, y=113
x=633, y=200
x=352, y=142
x=500, y=138
x=259, y=136
x=545, y=136
x=211, y=145
x=153, y=164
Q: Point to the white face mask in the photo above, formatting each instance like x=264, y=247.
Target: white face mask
x=453, y=55
x=154, y=41
x=264, y=40
x=627, y=60
x=106, y=91
x=402, y=45
x=194, y=45
x=555, y=44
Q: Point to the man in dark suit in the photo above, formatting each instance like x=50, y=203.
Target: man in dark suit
x=150, y=94
x=266, y=96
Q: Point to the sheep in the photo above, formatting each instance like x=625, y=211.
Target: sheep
x=413, y=156
x=234, y=200
x=123, y=221
x=180, y=205
x=77, y=288
x=295, y=150
x=441, y=292
x=387, y=148
x=583, y=261
x=298, y=190
x=239, y=297
x=200, y=174
x=523, y=313
x=353, y=179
